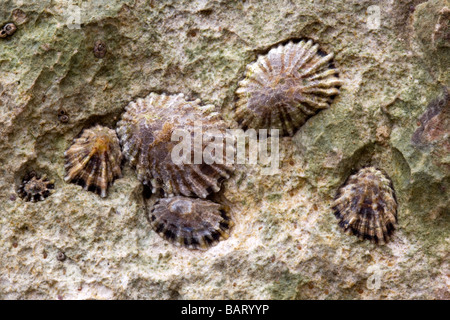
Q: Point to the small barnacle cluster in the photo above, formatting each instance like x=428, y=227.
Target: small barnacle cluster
x=35, y=188
x=63, y=117
x=366, y=206
x=287, y=86
x=8, y=30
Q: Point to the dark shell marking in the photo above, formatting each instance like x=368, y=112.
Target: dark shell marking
x=35, y=188
x=8, y=30
x=287, y=86
x=145, y=133
x=93, y=160
x=191, y=223
x=100, y=49
x=366, y=206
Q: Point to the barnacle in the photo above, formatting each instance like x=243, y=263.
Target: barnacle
x=63, y=117
x=61, y=256
x=35, y=188
x=287, y=86
x=8, y=30
x=189, y=222
x=99, y=49
x=147, y=131
x=366, y=206
x=93, y=160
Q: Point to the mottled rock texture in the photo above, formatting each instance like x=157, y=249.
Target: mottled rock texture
x=286, y=243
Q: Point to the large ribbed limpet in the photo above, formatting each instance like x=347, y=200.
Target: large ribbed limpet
x=146, y=133
x=287, y=86
x=189, y=222
x=366, y=206
x=93, y=160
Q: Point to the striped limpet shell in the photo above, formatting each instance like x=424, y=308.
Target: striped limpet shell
x=366, y=206
x=35, y=188
x=191, y=223
x=285, y=87
x=146, y=132
x=93, y=160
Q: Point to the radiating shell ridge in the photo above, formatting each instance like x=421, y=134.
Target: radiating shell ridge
x=93, y=160
x=191, y=223
x=287, y=86
x=35, y=188
x=366, y=206
x=145, y=133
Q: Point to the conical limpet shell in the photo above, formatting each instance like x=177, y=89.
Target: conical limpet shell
x=287, y=86
x=366, y=206
x=189, y=222
x=146, y=131
x=93, y=160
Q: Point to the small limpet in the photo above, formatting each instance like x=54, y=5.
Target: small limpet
x=93, y=160
x=191, y=223
x=285, y=87
x=146, y=134
x=35, y=188
x=366, y=206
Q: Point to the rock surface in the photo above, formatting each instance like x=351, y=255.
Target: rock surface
x=392, y=112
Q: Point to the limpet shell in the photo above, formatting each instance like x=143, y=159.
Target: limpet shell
x=146, y=132
x=191, y=223
x=366, y=206
x=93, y=160
x=285, y=87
